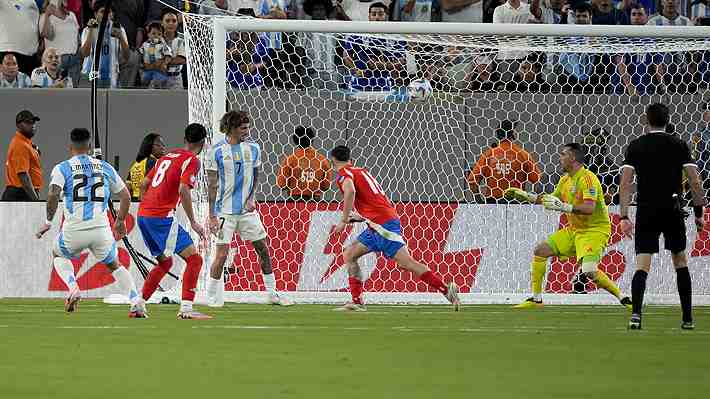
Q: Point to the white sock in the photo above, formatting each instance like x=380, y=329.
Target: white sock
x=270, y=283
x=185, y=306
x=537, y=297
x=125, y=281
x=212, y=284
x=65, y=270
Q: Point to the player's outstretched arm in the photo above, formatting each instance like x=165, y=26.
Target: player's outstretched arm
x=696, y=189
x=627, y=178
x=52, y=204
x=522, y=195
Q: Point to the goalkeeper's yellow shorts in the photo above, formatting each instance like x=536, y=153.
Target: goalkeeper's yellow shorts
x=566, y=243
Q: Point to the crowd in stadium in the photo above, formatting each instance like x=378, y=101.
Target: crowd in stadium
x=48, y=43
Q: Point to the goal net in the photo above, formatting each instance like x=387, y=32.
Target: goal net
x=421, y=105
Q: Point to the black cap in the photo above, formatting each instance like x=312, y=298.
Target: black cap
x=195, y=133
x=26, y=116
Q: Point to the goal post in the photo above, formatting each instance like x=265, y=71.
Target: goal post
x=449, y=94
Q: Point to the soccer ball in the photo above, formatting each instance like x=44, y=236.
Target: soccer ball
x=419, y=89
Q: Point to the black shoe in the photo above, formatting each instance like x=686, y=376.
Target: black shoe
x=626, y=301
x=687, y=325
x=635, y=322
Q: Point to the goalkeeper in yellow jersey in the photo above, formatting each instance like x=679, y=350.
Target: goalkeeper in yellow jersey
x=579, y=194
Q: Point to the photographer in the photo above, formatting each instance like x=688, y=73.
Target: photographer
x=114, y=43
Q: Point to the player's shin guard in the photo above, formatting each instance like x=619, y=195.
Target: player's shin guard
x=189, y=277
x=638, y=288
x=153, y=280
x=355, y=289
x=125, y=281
x=65, y=270
x=603, y=281
x=537, y=274
x=685, y=292
x=434, y=281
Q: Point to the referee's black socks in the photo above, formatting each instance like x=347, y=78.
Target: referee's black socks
x=685, y=292
x=638, y=287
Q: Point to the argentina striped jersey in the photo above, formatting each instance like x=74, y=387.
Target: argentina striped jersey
x=235, y=165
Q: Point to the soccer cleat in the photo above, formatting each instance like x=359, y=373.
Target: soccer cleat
x=529, y=303
x=635, y=322
x=71, y=304
x=452, y=295
x=626, y=301
x=687, y=325
x=351, y=307
x=192, y=315
x=278, y=299
x=138, y=311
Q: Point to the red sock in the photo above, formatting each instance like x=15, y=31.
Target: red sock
x=155, y=276
x=433, y=280
x=189, y=277
x=355, y=290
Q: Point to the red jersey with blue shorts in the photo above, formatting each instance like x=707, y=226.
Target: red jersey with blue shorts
x=161, y=233
x=384, y=233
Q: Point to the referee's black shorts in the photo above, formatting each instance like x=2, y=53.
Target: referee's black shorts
x=652, y=222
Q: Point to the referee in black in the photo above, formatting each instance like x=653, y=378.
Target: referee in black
x=658, y=159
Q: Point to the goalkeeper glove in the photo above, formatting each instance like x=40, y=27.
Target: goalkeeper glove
x=520, y=195
x=555, y=204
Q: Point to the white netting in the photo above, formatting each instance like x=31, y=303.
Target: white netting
x=419, y=111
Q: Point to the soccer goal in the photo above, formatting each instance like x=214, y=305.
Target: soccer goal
x=419, y=104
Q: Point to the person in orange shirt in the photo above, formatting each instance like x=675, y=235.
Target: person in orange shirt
x=306, y=173
x=503, y=166
x=23, y=171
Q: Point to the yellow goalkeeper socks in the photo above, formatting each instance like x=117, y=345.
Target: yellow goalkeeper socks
x=603, y=281
x=537, y=274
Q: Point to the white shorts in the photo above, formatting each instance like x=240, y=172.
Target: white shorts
x=248, y=226
x=70, y=244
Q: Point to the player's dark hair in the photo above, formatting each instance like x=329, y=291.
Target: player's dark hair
x=156, y=25
x=166, y=11
x=146, y=147
x=578, y=150
x=638, y=6
x=378, y=5
x=341, y=153
x=195, y=133
x=303, y=136
x=98, y=4
x=232, y=119
x=657, y=115
x=79, y=136
x=583, y=7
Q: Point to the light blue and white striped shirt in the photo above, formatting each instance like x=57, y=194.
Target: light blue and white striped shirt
x=41, y=78
x=21, y=81
x=87, y=184
x=660, y=20
x=700, y=11
x=273, y=38
x=235, y=165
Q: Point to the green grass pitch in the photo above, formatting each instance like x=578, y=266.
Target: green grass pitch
x=311, y=352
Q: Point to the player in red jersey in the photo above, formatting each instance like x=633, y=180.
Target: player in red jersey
x=362, y=193
x=168, y=183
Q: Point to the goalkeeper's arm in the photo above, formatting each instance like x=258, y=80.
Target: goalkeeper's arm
x=522, y=195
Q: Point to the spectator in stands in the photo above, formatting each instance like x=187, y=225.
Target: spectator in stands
x=546, y=11
x=75, y=7
x=321, y=49
x=503, y=166
x=375, y=64
x=23, y=170
x=216, y=7
x=415, y=10
x=246, y=54
x=529, y=78
x=359, y=10
x=460, y=69
x=156, y=8
x=130, y=15
x=462, y=11
x=10, y=75
x=625, y=6
x=669, y=15
x=638, y=73
x=273, y=9
x=20, y=25
x=306, y=173
x=118, y=49
x=60, y=29
x=151, y=149
x=511, y=12
x=156, y=57
x=178, y=59
x=699, y=9
x=604, y=13
x=48, y=75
